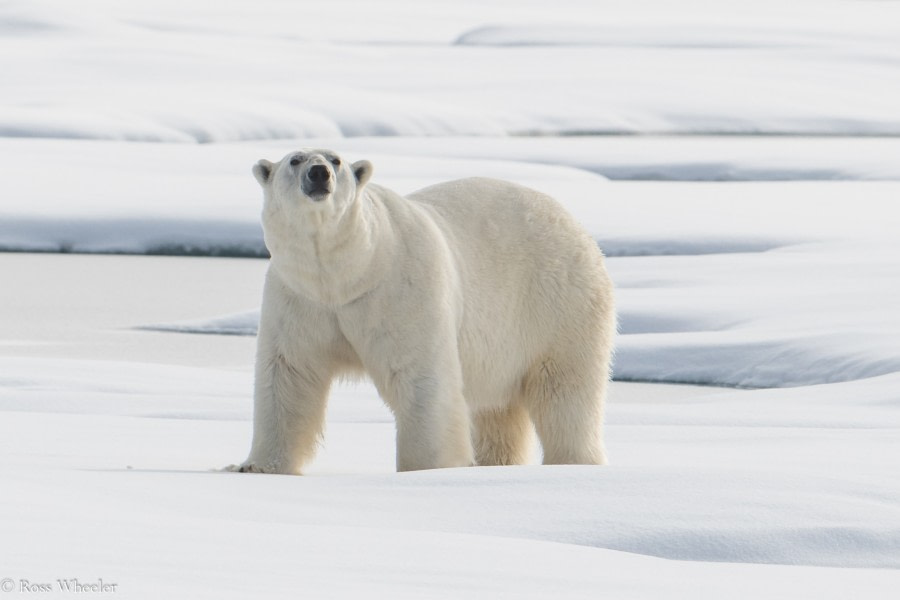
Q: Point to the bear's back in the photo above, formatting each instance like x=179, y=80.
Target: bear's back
x=506, y=217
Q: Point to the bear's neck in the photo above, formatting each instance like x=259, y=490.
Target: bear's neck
x=341, y=260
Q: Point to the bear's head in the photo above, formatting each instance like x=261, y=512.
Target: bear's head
x=310, y=186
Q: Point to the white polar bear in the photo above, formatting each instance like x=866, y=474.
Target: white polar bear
x=477, y=307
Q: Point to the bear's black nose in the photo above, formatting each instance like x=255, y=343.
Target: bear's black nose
x=318, y=174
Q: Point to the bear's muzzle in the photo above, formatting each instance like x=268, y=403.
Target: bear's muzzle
x=317, y=182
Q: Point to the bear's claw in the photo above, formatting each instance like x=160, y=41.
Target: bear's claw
x=244, y=468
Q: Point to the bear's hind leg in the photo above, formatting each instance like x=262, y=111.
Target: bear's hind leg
x=502, y=436
x=566, y=406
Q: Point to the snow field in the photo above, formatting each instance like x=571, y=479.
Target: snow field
x=798, y=476
x=175, y=72
x=131, y=128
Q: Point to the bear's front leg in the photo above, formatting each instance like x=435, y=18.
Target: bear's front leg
x=433, y=428
x=294, y=370
x=288, y=416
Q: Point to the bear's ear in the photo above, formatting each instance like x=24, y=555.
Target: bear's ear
x=363, y=170
x=263, y=171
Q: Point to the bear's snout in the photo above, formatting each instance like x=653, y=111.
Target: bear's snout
x=317, y=181
x=318, y=173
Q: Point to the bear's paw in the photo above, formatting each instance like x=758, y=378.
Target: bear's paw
x=249, y=467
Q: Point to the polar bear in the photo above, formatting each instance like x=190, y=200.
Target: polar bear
x=480, y=309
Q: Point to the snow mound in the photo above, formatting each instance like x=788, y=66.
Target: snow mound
x=802, y=315
x=245, y=323
x=673, y=158
x=643, y=36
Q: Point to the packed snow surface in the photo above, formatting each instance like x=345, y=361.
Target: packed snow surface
x=110, y=439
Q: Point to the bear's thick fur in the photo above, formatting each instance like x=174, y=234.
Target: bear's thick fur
x=477, y=307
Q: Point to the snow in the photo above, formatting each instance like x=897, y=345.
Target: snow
x=750, y=227
x=726, y=485
x=823, y=67
x=672, y=158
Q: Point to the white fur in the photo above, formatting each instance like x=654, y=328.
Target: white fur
x=477, y=307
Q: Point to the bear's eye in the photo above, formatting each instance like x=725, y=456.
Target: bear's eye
x=336, y=162
x=295, y=161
